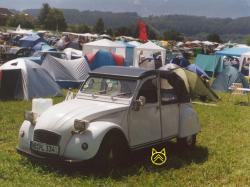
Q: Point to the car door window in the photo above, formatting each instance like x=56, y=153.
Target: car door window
x=168, y=95
x=149, y=91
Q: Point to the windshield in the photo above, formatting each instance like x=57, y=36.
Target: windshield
x=112, y=87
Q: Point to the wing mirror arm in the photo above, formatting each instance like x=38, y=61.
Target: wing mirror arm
x=139, y=103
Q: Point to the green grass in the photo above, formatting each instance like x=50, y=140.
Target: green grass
x=221, y=158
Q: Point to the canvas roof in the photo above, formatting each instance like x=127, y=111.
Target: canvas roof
x=135, y=43
x=66, y=70
x=148, y=47
x=209, y=63
x=104, y=44
x=236, y=51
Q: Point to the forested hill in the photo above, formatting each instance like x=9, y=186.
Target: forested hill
x=111, y=20
x=188, y=25
x=191, y=25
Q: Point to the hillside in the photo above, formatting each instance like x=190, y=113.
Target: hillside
x=112, y=20
x=192, y=26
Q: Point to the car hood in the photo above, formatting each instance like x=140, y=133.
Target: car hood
x=60, y=118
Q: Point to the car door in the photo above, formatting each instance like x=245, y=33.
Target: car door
x=145, y=124
x=169, y=110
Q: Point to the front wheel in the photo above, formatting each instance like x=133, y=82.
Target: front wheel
x=112, y=152
x=187, y=142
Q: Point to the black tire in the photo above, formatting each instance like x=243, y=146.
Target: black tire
x=113, y=151
x=187, y=142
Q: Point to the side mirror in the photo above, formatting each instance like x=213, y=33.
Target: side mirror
x=142, y=100
x=139, y=103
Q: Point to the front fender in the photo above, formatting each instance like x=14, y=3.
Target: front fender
x=93, y=136
x=25, y=136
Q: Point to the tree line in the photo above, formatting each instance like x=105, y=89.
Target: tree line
x=172, y=27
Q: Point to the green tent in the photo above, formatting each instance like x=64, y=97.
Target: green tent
x=209, y=63
x=196, y=87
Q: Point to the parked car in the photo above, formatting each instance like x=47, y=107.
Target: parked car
x=117, y=109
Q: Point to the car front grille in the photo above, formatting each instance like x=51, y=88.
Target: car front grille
x=47, y=137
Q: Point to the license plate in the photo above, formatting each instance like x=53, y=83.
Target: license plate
x=44, y=148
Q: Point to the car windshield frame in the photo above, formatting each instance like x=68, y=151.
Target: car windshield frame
x=124, y=88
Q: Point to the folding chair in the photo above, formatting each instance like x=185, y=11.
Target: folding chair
x=237, y=89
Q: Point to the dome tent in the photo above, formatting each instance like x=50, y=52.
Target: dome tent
x=104, y=58
x=67, y=73
x=30, y=41
x=24, y=79
x=227, y=77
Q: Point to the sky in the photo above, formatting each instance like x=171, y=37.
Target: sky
x=210, y=8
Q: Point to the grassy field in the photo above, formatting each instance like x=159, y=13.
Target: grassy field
x=221, y=158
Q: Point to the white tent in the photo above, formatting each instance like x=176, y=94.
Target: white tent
x=135, y=43
x=67, y=73
x=23, y=79
x=245, y=62
x=104, y=44
x=147, y=50
x=73, y=53
x=21, y=31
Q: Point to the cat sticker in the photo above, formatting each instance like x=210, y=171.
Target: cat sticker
x=158, y=158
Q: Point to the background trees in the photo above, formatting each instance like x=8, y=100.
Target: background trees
x=52, y=18
x=99, y=26
x=21, y=19
x=214, y=38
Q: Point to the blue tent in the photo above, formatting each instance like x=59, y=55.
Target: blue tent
x=42, y=46
x=129, y=52
x=227, y=77
x=233, y=51
x=209, y=63
x=104, y=58
x=196, y=69
x=180, y=62
x=30, y=41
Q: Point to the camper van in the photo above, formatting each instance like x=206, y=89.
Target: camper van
x=117, y=110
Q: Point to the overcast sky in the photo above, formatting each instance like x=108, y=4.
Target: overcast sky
x=211, y=8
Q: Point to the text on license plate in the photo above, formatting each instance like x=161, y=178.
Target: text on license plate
x=44, y=148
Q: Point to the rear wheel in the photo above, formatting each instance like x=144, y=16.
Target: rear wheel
x=187, y=142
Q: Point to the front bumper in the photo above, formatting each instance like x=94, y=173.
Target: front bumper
x=54, y=160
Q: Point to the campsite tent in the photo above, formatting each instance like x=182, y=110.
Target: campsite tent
x=180, y=61
x=20, y=31
x=129, y=52
x=42, y=46
x=72, y=53
x=24, y=79
x=227, y=77
x=104, y=58
x=209, y=63
x=67, y=73
x=104, y=44
x=135, y=43
x=195, y=86
x=147, y=50
x=245, y=64
x=236, y=51
x=194, y=68
x=30, y=41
